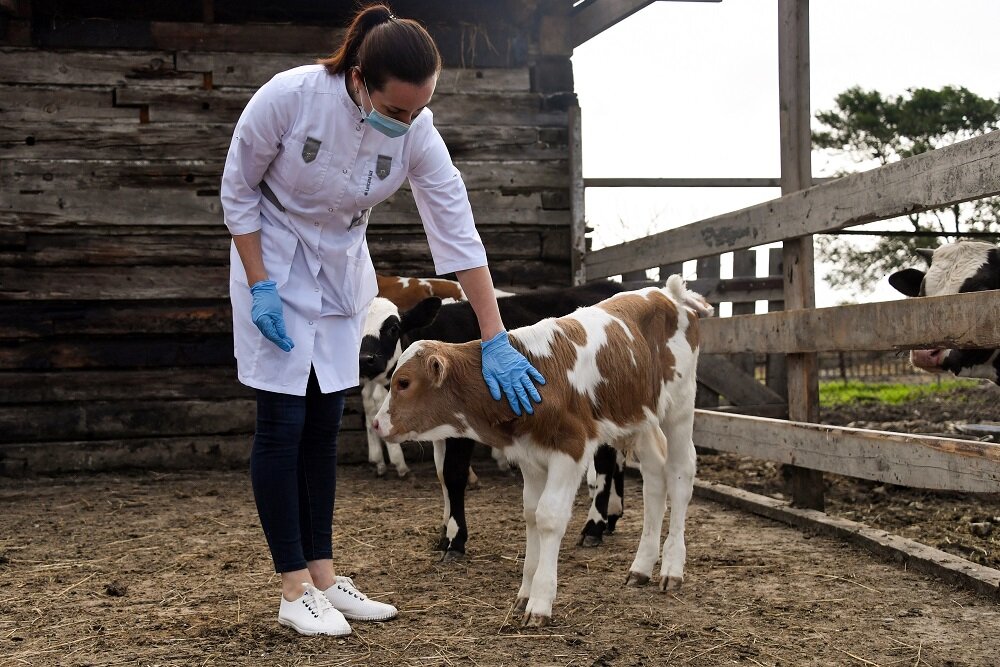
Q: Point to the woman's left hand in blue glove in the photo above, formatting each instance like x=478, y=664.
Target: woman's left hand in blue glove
x=506, y=368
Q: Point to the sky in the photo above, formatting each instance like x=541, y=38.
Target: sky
x=690, y=89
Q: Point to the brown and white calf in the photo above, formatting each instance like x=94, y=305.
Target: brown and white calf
x=956, y=268
x=408, y=292
x=621, y=372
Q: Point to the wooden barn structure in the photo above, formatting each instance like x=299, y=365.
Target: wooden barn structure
x=115, y=119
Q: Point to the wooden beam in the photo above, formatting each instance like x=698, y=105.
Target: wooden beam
x=682, y=182
x=960, y=172
x=723, y=377
x=955, y=320
x=910, y=554
x=923, y=462
x=592, y=18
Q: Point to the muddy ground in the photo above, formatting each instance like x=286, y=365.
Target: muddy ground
x=171, y=569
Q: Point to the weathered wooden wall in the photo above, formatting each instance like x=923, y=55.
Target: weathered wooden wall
x=115, y=343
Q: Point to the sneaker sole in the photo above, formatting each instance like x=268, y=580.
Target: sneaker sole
x=310, y=633
x=369, y=618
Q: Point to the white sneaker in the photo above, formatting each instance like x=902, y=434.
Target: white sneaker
x=355, y=605
x=312, y=614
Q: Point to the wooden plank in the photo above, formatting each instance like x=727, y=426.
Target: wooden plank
x=725, y=378
x=960, y=172
x=194, y=451
x=210, y=140
x=910, y=554
x=28, y=320
x=317, y=41
x=120, y=247
x=108, y=68
x=156, y=453
x=100, y=420
x=177, y=105
x=150, y=384
x=923, y=462
x=39, y=104
x=959, y=320
x=252, y=70
x=133, y=352
x=593, y=18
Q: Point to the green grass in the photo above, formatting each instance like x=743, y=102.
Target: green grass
x=836, y=393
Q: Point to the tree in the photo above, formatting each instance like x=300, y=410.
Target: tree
x=866, y=126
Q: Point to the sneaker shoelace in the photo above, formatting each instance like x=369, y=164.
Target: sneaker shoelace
x=316, y=602
x=346, y=584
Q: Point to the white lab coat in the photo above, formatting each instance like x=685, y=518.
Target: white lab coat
x=304, y=137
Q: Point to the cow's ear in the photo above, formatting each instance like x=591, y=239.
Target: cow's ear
x=437, y=369
x=907, y=281
x=926, y=253
x=421, y=314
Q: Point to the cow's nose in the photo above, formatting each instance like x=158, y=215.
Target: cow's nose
x=375, y=425
x=367, y=358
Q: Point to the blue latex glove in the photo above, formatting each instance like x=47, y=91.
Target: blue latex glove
x=267, y=314
x=506, y=368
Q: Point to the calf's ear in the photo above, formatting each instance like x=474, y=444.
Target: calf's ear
x=437, y=369
x=420, y=315
x=907, y=281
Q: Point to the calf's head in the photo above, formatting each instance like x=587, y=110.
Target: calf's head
x=956, y=268
x=431, y=383
x=384, y=324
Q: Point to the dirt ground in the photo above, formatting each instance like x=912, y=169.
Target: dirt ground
x=967, y=525
x=171, y=569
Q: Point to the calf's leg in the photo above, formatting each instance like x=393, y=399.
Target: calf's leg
x=651, y=448
x=534, y=484
x=600, y=472
x=454, y=532
x=680, y=484
x=552, y=515
x=368, y=400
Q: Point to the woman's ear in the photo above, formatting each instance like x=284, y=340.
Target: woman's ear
x=437, y=369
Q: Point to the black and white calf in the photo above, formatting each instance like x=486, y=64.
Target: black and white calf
x=457, y=323
x=966, y=266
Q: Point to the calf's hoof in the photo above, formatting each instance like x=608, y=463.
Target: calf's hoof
x=520, y=604
x=636, y=579
x=670, y=584
x=535, y=621
x=380, y=470
x=403, y=473
x=452, y=555
x=590, y=541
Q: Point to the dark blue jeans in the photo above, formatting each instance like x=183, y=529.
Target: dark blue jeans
x=293, y=468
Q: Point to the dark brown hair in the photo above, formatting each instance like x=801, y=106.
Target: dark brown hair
x=385, y=47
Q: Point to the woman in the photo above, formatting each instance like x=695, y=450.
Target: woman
x=315, y=149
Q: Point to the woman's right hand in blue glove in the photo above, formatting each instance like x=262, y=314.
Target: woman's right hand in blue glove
x=267, y=314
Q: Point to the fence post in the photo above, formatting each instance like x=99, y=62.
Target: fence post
x=708, y=267
x=744, y=266
x=577, y=198
x=805, y=486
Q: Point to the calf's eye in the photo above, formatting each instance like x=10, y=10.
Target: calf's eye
x=404, y=384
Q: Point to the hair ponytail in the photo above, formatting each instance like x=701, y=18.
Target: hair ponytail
x=384, y=47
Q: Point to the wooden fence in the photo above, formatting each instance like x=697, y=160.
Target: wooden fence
x=965, y=171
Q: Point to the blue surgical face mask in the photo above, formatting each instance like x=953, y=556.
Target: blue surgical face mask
x=390, y=127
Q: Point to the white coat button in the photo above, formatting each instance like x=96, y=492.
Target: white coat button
x=316, y=289
x=310, y=322
x=357, y=127
x=345, y=171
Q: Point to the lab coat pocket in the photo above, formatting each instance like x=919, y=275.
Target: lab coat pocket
x=303, y=165
x=278, y=249
x=380, y=178
x=352, y=285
